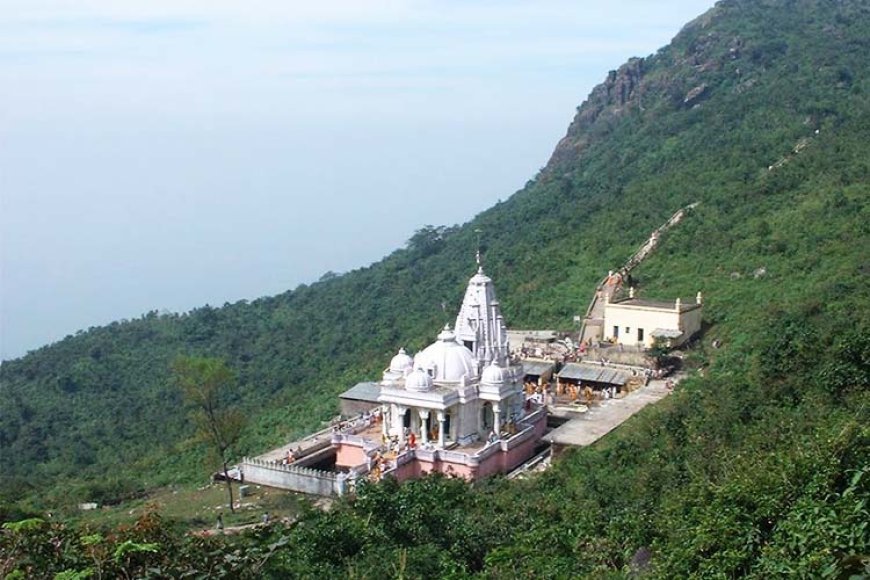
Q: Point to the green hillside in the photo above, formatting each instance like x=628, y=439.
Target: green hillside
x=760, y=111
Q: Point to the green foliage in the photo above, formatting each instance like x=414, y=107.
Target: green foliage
x=756, y=469
x=207, y=383
x=74, y=575
x=27, y=525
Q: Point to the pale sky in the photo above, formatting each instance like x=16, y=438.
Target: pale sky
x=165, y=154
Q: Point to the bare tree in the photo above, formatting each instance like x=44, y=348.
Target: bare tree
x=206, y=384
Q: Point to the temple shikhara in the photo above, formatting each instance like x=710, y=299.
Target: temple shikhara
x=457, y=407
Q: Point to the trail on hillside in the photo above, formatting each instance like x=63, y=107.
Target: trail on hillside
x=612, y=283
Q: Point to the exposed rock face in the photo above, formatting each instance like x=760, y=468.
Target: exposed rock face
x=707, y=54
x=611, y=98
x=695, y=94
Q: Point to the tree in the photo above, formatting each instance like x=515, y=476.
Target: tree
x=206, y=384
x=429, y=239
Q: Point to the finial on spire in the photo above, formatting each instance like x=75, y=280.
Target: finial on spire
x=477, y=254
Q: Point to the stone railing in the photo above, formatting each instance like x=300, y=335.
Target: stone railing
x=490, y=449
x=314, y=447
x=454, y=456
x=323, y=438
x=534, y=416
x=367, y=445
x=406, y=457
x=338, y=437
x=293, y=477
x=426, y=454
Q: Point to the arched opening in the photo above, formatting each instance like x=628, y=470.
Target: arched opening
x=487, y=418
x=431, y=428
x=448, y=432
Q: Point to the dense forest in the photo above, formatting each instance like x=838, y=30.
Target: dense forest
x=758, y=465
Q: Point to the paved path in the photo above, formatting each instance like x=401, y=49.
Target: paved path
x=587, y=428
x=594, y=321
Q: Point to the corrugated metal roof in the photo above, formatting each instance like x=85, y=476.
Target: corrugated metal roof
x=593, y=374
x=363, y=392
x=537, y=367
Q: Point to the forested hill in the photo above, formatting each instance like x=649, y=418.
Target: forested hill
x=759, y=110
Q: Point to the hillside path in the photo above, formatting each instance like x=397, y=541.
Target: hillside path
x=587, y=428
x=593, y=322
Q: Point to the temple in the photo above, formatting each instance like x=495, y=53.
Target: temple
x=458, y=407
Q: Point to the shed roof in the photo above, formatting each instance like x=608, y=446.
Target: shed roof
x=368, y=392
x=537, y=367
x=593, y=374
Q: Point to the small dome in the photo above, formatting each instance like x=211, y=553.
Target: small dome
x=446, y=335
x=448, y=360
x=494, y=375
x=401, y=362
x=419, y=381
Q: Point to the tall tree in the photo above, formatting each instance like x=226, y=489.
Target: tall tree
x=206, y=384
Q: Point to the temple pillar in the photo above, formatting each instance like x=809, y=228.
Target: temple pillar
x=441, y=421
x=496, y=421
x=385, y=421
x=424, y=432
x=400, y=423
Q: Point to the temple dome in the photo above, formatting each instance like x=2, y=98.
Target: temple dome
x=446, y=360
x=494, y=375
x=419, y=381
x=401, y=363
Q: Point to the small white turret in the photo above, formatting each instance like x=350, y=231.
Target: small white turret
x=418, y=381
x=493, y=375
x=401, y=363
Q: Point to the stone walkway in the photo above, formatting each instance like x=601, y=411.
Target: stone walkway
x=587, y=428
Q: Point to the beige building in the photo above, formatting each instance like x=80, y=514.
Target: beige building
x=639, y=322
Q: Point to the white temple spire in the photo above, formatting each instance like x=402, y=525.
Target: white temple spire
x=479, y=325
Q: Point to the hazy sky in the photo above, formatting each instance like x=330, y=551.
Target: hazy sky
x=164, y=154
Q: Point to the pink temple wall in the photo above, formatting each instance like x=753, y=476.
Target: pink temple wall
x=504, y=462
x=447, y=468
x=410, y=470
x=500, y=462
x=349, y=456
